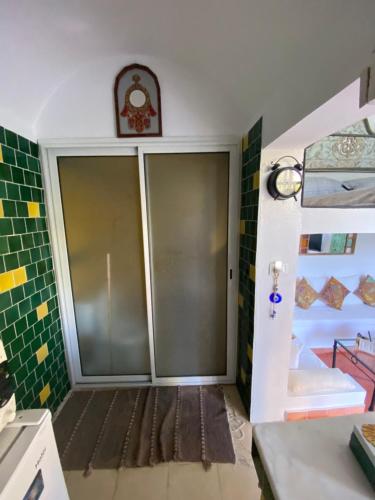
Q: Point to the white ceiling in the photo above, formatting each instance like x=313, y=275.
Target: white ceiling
x=248, y=49
x=333, y=116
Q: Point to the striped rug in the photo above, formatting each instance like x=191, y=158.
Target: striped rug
x=110, y=429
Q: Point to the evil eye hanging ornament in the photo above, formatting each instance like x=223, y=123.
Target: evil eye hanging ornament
x=275, y=297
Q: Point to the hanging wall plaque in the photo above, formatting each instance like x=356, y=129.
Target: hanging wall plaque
x=137, y=101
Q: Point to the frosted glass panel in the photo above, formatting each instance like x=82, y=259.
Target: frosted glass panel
x=187, y=196
x=102, y=214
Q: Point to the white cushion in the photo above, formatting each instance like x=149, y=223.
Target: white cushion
x=316, y=381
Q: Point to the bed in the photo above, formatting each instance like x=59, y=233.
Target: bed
x=363, y=197
x=324, y=191
x=347, y=396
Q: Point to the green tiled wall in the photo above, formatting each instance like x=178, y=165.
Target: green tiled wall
x=251, y=148
x=29, y=313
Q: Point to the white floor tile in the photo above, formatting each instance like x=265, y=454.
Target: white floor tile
x=100, y=485
x=192, y=482
x=238, y=482
x=144, y=483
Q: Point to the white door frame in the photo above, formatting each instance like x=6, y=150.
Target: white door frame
x=50, y=151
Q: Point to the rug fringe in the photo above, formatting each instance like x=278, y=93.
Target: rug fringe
x=88, y=471
x=206, y=465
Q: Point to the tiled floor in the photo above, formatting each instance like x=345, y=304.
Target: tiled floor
x=179, y=481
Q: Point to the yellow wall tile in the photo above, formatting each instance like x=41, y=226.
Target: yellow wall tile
x=44, y=393
x=243, y=376
x=242, y=227
x=20, y=276
x=1, y=154
x=240, y=300
x=256, y=180
x=42, y=311
x=252, y=272
x=245, y=142
x=33, y=209
x=42, y=353
x=1, y=209
x=250, y=352
x=6, y=281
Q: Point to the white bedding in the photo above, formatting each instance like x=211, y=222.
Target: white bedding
x=318, y=381
x=319, y=398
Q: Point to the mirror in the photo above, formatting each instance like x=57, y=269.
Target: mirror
x=327, y=244
x=137, y=98
x=339, y=170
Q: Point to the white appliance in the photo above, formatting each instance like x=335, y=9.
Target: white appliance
x=7, y=398
x=30, y=467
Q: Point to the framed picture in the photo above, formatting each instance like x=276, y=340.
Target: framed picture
x=339, y=170
x=137, y=102
x=328, y=244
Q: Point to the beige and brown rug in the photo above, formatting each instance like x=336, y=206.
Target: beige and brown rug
x=109, y=429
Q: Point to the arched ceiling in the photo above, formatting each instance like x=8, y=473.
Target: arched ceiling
x=249, y=50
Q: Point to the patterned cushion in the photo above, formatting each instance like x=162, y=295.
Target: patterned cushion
x=366, y=290
x=305, y=294
x=334, y=293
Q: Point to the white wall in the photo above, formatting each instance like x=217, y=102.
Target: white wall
x=320, y=325
x=82, y=105
x=279, y=227
x=362, y=262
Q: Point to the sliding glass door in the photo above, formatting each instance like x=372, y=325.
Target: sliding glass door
x=146, y=259
x=103, y=228
x=187, y=211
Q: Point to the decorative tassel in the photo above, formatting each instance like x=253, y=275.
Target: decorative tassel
x=125, y=445
x=206, y=463
x=76, y=426
x=88, y=471
x=90, y=465
x=177, y=426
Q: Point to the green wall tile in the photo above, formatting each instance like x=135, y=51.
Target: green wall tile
x=13, y=191
x=249, y=214
x=24, y=145
x=11, y=315
x=25, y=242
x=5, y=172
x=21, y=159
x=9, y=155
x=11, y=261
x=15, y=243
x=9, y=208
x=5, y=227
x=4, y=247
x=11, y=139
x=17, y=294
x=34, y=150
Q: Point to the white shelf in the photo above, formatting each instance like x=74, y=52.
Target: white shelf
x=349, y=312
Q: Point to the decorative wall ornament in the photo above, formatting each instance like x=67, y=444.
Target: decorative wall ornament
x=137, y=102
x=353, y=148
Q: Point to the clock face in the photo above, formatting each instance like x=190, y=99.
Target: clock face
x=288, y=182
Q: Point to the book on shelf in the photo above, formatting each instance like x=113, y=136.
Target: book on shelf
x=364, y=452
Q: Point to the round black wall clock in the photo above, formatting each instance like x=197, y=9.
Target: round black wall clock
x=285, y=182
